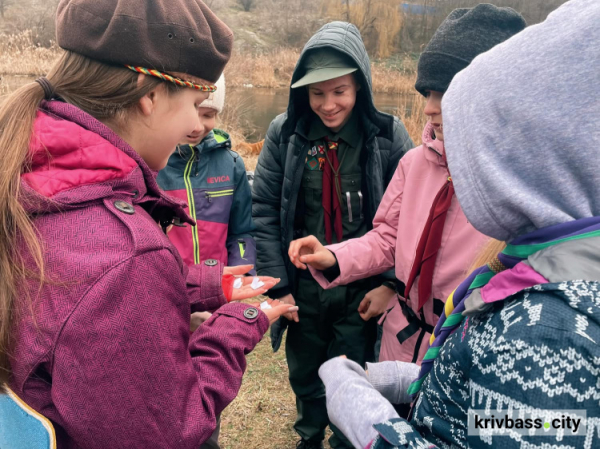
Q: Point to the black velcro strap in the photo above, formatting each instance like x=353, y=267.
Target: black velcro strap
x=408, y=332
x=414, y=324
x=400, y=286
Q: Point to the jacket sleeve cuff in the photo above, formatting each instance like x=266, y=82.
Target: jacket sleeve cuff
x=333, y=272
x=392, y=379
x=329, y=277
x=205, y=283
x=246, y=313
x=389, y=275
x=276, y=293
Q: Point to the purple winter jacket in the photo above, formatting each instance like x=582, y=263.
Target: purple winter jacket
x=108, y=356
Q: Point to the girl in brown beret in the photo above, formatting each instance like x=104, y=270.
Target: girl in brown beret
x=95, y=302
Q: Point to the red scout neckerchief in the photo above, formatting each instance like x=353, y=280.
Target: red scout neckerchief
x=332, y=193
x=430, y=242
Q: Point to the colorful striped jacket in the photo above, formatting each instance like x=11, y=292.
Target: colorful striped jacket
x=211, y=179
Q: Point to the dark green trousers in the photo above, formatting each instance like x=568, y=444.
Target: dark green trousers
x=329, y=326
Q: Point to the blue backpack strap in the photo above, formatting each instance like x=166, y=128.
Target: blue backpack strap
x=22, y=427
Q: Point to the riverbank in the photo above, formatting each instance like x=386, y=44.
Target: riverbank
x=247, y=77
x=21, y=57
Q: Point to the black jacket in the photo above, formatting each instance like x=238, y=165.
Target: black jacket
x=281, y=163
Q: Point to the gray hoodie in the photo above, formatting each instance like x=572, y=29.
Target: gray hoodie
x=522, y=159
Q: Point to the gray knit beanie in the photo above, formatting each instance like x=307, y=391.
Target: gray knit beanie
x=464, y=34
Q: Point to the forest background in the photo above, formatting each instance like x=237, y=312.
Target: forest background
x=269, y=35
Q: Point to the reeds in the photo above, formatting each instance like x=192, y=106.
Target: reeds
x=21, y=56
x=275, y=69
x=410, y=111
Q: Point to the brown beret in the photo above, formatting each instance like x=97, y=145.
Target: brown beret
x=166, y=35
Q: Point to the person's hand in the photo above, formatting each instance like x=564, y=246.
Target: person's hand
x=308, y=250
x=237, y=270
x=277, y=309
x=197, y=319
x=289, y=299
x=246, y=291
x=375, y=302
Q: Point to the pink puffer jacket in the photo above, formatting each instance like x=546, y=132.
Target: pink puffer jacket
x=109, y=358
x=393, y=241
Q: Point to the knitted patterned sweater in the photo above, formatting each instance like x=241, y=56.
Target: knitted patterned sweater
x=537, y=350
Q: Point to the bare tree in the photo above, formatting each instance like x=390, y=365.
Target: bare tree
x=3, y=5
x=420, y=23
x=379, y=21
x=246, y=4
x=291, y=22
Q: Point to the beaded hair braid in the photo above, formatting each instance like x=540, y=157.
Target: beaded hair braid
x=174, y=80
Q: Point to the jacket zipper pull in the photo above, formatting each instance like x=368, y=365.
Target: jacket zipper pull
x=196, y=162
x=208, y=197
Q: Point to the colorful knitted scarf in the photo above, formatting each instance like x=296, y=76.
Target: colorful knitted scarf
x=517, y=251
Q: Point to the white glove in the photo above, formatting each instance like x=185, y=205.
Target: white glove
x=392, y=379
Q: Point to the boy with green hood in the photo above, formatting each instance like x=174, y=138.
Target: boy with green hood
x=323, y=169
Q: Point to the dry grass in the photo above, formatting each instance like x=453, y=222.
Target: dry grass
x=274, y=70
x=250, y=157
x=270, y=70
x=21, y=56
x=391, y=81
x=410, y=111
x=4, y=88
x=263, y=413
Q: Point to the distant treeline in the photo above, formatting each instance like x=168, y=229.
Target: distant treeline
x=389, y=27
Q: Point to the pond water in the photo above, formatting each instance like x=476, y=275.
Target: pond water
x=260, y=106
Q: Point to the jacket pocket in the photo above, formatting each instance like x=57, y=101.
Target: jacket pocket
x=312, y=189
x=213, y=209
x=214, y=205
x=211, y=195
x=352, y=198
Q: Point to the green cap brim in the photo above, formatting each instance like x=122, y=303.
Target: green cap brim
x=324, y=74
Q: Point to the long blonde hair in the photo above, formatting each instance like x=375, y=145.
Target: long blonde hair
x=107, y=93
x=487, y=254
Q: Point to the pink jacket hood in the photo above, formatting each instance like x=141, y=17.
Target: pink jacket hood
x=437, y=146
x=75, y=161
